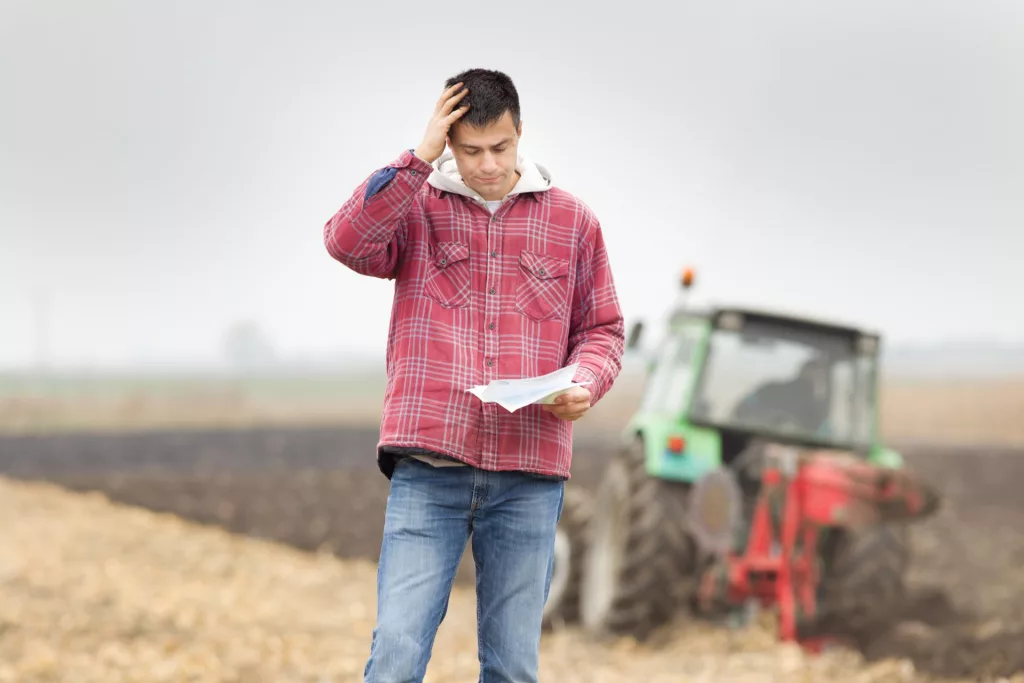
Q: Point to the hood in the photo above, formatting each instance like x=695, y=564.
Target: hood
x=532, y=177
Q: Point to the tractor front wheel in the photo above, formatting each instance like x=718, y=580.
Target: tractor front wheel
x=640, y=565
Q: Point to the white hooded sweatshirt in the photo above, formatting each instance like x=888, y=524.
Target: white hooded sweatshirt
x=532, y=178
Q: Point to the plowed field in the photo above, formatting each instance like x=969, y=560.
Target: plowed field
x=319, y=489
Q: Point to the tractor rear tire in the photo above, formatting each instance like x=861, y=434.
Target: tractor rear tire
x=571, y=543
x=640, y=567
x=862, y=587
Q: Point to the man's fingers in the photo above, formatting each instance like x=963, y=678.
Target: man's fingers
x=455, y=115
x=451, y=101
x=575, y=394
x=573, y=401
x=568, y=411
x=445, y=96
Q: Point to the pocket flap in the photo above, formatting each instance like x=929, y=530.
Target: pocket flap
x=544, y=266
x=444, y=254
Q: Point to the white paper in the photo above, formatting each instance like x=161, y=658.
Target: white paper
x=513, y=394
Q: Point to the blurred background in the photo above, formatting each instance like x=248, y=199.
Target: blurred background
x=167, y=170
x=169, y=316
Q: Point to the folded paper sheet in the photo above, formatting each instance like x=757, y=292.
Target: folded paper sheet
x=513, y=394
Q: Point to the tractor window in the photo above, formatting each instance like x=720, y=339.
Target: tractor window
x=735, y=367
x=668, y=387
x=852, y=410
x=773, y=378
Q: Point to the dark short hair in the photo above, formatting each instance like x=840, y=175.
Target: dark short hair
x=491, y=94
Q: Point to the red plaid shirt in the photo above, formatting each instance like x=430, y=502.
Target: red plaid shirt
x=479, y=297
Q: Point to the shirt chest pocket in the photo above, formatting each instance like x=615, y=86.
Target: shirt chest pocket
x=543, y=289
x=447, y=279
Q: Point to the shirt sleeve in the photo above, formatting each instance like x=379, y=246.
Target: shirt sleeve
x=367, y=232
x=597, y=337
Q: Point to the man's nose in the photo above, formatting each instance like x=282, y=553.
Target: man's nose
x=489, y=163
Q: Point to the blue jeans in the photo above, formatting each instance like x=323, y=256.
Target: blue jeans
x=431, y=512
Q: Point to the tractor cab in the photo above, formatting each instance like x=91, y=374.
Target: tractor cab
x=692, y=507
x=725, y=375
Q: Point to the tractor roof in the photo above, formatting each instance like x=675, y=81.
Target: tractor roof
x=778, y=315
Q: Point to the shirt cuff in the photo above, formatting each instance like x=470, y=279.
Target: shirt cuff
x=588, y=376
x=410, y=160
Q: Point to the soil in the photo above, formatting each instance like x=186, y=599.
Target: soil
x=93, y=592
x=320, y=489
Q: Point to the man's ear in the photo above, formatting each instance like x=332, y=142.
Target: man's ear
x=519, y=129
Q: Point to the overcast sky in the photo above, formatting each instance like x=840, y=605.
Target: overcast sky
x=167, y=168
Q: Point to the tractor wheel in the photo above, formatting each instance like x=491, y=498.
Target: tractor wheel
x=563, y=603
x=640, y=567
x=862, y=580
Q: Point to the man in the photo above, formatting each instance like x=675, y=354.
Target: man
x=498, y=274
x=803, y=401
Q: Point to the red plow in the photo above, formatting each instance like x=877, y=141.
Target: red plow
x=803, y=496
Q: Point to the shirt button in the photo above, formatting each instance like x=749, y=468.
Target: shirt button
x=494, y=254
x=490, y=362
x=491, y=326
x=493, y=290
x=444, y=261
x=539, y=272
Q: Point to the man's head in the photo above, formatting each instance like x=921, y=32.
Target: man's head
x=817, y=373
x=485, y=140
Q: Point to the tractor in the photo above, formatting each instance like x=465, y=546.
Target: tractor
x=752, y=472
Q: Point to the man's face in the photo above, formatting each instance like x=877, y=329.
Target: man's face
x=486, y=157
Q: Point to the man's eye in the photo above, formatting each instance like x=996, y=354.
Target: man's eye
x=499, y=150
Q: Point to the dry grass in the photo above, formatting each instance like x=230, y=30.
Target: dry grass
x=961, y=411
x=182, y=411
x=974, y=411
x=169, y=402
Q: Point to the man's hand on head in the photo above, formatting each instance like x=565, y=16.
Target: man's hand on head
x=571, y=405
x=445, y=114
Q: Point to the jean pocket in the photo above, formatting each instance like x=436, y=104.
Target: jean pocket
x=448, y=276
x=543, y=288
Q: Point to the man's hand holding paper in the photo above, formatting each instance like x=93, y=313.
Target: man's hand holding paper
x=571, y=404
x=556, y=391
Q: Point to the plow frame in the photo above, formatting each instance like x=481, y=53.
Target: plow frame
x=803, y=495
